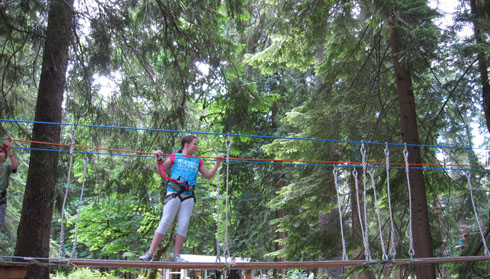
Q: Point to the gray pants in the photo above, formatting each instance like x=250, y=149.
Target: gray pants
x=170, y=210
x=3, y=210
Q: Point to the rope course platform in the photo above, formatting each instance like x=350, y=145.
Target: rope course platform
x=13, y=270
x=94, y=263
x=22, y=263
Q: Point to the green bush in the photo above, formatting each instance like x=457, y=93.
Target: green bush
x=84, y=273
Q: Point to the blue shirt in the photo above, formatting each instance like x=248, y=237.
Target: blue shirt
x=184, y=168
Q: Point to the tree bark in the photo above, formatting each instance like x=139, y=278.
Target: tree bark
x=482, y=62
x=420, y=223
x=33, y=234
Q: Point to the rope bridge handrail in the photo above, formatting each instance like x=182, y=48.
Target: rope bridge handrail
x=265, y=160
x=237, y=135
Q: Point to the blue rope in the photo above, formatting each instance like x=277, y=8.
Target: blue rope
x=258, y=162
x=240, y=135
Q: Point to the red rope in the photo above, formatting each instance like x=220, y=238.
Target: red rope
x=79, y=146
x=254, y=159
x=165, y=176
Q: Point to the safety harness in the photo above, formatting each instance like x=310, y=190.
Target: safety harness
x=177, y=184
x=180, y=188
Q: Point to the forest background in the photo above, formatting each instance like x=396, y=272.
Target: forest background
x=348, y=71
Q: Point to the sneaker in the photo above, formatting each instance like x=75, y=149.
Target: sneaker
x=146, y=256
x=179, y=259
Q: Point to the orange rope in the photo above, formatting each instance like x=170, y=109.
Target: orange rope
x=81, y=146
x=254, y=159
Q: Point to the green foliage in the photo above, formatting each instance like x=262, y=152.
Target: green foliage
x=288, y=51
x=84, y=273
x=108, y=224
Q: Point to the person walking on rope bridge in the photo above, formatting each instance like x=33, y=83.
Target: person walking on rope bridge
x=5, y=171
x=180, y=192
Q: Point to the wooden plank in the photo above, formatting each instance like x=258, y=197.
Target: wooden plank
x=200, y=265
x=13, y=270
x=21, y=267
x=261, y=265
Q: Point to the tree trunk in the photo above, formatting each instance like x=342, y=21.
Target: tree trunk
x=420, y=222
x=482, y=64
x=33, y=234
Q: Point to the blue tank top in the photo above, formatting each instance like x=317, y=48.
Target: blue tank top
x=184, y=169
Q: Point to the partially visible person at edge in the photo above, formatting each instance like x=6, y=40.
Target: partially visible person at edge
x=5, y=171
x=184, y=168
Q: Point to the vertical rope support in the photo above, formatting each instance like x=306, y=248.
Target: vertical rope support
x=364, y=181
x=218, y=249
x=364, y=239
x=480, y=224
x=381, y=239
x=74, y=250
x=411, y=250
x=393, y=245
x=228, y=148
x=337, y=188
x=62, y=229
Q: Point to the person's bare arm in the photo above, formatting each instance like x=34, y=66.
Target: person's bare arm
x=11, y=155
x=160, y=164
x=208, y=174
